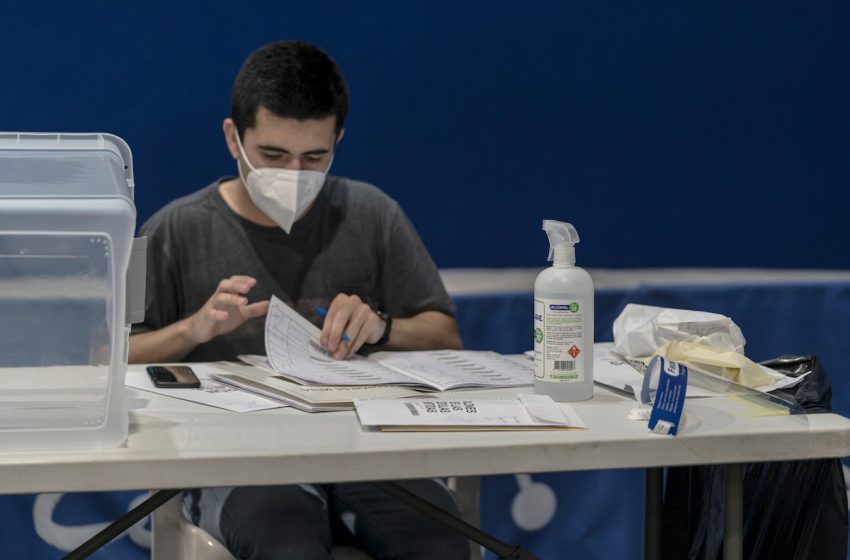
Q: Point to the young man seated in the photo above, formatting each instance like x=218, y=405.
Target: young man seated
x=283, y=227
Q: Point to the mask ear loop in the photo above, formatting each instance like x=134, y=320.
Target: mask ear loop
x=331, y=162
x=242, y=151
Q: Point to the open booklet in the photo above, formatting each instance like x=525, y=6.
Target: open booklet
x=294, y=353
x=520, y=412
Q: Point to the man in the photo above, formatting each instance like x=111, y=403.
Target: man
x=283, y=227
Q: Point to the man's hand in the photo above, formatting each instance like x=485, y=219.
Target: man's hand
x=226, y=310
x=350, y=316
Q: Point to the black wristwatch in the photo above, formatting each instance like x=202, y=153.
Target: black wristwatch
x=388, y=322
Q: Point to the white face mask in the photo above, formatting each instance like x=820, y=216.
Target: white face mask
x=284, y=195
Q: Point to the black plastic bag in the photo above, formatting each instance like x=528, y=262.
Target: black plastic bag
x=792, y=509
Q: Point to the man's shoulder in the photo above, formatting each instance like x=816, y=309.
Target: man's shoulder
x=186, y=210
x=360, y=196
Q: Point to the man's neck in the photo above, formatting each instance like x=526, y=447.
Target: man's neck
x=236, y=196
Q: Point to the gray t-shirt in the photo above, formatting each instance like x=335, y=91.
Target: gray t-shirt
x=355, y=240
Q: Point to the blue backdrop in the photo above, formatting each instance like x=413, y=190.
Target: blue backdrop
x=725, y=122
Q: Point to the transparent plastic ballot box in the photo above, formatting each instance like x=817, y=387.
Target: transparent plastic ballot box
x=67, y=221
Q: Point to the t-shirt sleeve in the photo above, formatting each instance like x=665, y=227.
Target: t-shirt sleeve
x=410, y=282
x=162, y=276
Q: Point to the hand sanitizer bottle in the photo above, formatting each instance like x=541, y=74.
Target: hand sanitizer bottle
x=563, y=321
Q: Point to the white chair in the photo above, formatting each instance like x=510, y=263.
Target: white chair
x=173, y=537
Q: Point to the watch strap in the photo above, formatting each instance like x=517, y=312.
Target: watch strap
x=388, y=326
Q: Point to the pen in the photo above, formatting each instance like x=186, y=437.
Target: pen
x=322, y=312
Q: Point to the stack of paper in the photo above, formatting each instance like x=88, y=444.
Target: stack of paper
x=310, y=398
x=300, y=373
x=522, y=412
x=294, y=353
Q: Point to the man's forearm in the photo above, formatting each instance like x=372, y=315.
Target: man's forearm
x=168, y=344
x=430, y=330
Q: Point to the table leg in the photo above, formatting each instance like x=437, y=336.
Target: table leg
x=733, y=512
x=120, y=525
x=652, y=516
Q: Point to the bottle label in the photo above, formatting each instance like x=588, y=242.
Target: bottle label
x=558, y=340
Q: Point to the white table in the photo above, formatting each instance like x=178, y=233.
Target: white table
x=176, y=444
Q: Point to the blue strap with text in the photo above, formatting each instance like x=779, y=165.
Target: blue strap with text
x=669, y=397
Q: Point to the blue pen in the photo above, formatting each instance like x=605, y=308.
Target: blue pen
x=322, y=312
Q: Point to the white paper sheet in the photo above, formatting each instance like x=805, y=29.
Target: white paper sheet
x=293, y=349
x=310, y=398
x=452, y=369
x=211, y=393
x=519, y=412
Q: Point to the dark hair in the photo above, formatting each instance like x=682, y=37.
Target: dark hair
x=292, y=79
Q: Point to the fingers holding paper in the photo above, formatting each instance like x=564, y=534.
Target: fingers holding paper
x=349, y=324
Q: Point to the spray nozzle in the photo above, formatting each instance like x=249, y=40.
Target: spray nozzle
x=562, y=238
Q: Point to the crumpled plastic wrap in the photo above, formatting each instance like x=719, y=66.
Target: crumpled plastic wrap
x=703, y=341
x=640, y=330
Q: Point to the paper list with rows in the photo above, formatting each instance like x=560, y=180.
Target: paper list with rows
x=293, y=348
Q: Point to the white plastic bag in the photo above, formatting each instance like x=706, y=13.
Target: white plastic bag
x=640, y=330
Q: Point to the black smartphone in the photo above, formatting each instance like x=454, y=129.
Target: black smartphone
x=173, y=377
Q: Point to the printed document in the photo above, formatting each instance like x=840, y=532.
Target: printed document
x=521, y=412
x=212, y=392
x=309, y=398
x=293, y=349
x=294, y=352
